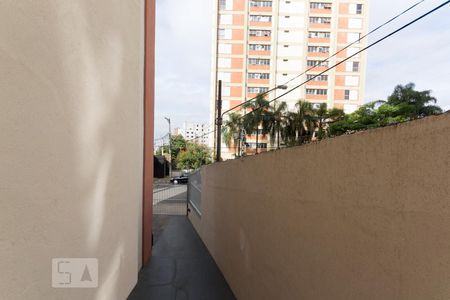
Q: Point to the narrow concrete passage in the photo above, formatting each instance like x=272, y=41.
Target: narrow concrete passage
x=181, y=267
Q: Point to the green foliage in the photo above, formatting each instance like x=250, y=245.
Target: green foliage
x=308, y=123
x=274, y=121
x=252, y=121
x=231, y=128
x=404, y=104
x=160, y=149
x=178, y=143
x=193, y=156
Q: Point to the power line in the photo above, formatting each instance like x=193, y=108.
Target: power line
x=161, y=138
x=335, y=54
x=346, y=47
x=355, y=54
x=358, y=40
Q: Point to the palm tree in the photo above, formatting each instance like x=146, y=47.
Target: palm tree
x=274, y=123
x=289, y=129
x=232, y=128
x=322, y=115
x=302, y=119
x=254, y=118
x=411, y=103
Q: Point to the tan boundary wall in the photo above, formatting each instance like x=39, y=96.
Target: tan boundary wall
x=365, y=216
x=71, y=143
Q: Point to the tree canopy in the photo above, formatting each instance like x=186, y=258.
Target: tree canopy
x=309, y=122
x=193, y=156
x=404, y=104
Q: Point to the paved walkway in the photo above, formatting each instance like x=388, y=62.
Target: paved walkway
x=181, y=267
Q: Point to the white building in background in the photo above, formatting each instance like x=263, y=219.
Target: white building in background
x=195, y=132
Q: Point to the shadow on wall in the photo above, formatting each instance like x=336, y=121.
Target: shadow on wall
x=71, y=154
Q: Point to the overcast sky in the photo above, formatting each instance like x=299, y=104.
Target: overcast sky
x=419, y=54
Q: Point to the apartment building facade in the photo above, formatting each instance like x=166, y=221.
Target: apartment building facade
x=259, y=45
x=195, y=132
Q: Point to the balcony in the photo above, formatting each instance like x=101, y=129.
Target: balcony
x=320, y=11
x=318, y=54
x=319, y=25
x=260, y=24
x=319, y=40
x=264, y=38
x=260, y=53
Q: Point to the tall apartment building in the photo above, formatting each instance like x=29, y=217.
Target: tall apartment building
x=259, y=45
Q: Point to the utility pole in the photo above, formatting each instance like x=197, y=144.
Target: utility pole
x=162, y=154
x=219, y=121
x=170, y=146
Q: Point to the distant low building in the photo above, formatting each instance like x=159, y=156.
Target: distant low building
x=160, y=166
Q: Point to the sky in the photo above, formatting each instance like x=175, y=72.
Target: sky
x=419, y=54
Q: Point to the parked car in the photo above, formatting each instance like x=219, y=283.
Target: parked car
x=183, y=178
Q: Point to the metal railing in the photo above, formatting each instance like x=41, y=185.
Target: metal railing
x=194, y=192
x=169, y=199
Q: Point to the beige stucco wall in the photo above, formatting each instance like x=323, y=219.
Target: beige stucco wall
x=71, y=126
x=365, y=216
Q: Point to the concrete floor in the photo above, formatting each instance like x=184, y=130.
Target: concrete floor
x=181, y=267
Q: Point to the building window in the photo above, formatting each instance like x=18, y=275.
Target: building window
x=353, y=37
x=260, y=18
x=254, y=32
x=257, y=90
x=253, y=145
x=259, y=47
x=225, y=48
x=258, y=61
x=352, y=51
x=226, y=91
x=225, y=34
x=316, y=92
x=224, y=76
x=319, y=20
x=351, y=80
x=258, y=76
x=224, y=62
x=354, y=23
x=355, y=9
x=318, y=49
x=226, y=4
x=255, y=3
x=359, y=9
x=319, y=34
x=226, y=19
x=318, y=78
x=320, y=5
x=352, y=66
x=350, y=95
x=317, y=63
